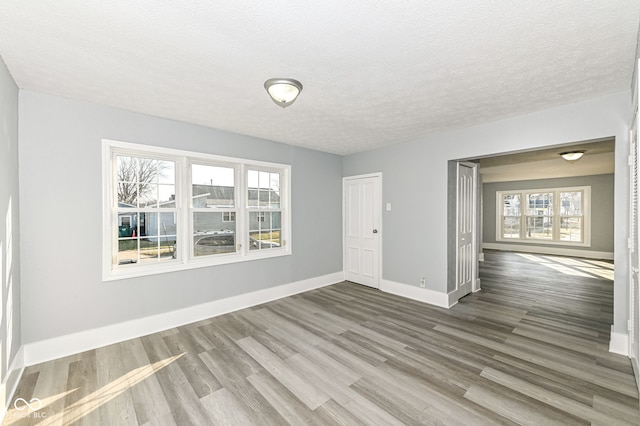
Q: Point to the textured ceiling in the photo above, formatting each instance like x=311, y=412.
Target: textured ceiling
x=374, y=73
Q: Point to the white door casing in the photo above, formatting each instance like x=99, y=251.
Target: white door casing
x=466, y=229
x=634, y=252
x=362, y=229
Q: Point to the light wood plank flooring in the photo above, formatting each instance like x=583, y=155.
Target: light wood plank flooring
x=530, y=348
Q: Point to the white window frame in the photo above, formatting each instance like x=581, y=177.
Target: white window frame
x=260, y=210
x=555, y=240
x=184, y=258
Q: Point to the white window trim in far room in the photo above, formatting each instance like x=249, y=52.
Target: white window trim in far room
x=586, y=190
x=184, y=261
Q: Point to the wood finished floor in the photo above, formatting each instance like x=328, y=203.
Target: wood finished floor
x=530, y=348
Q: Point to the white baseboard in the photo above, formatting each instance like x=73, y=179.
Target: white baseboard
x=416, y=293
x=619, y=343
x=453, y=297
x=70, y=344
x=11, y=380
x=559, y=251
x=478, y=286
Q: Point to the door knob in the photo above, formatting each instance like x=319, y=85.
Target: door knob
x=375, y=231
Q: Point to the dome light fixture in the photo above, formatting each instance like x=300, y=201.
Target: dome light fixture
x=572, y=155
x=283, y=91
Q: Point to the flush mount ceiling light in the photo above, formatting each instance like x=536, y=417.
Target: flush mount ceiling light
x=572, y=155
x=283, y=91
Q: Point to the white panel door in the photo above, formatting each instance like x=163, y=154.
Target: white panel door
x=466, y=220
x=362, y=229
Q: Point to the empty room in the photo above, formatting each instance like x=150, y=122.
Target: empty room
x=356, y=213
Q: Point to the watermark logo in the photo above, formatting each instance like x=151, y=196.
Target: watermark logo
x=29, y=408
x=21, y=404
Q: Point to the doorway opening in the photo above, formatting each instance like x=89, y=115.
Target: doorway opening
x=528, y=171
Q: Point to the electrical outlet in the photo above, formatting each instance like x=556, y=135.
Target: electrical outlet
x=481, y=257
x=423, y=282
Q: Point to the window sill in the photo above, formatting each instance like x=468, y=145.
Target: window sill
x=135, y=271
x=545, y=242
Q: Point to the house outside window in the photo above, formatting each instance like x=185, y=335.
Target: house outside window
x=548, y=216
x=229, y=216
x=173, y=210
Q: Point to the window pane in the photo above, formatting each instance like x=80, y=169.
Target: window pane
x=157, y=225
x=127, y=251
x=540, y=204
x=264, y=230
x=571, y=229
x=166, y=172
x=149, y=251
x=511, y=227
x=539, y=227
x=147, y=195
x=253, y=197
x=571, y=203
x=212, y=234
x=127, y=195
x=511, y=204
x=160, y=232
x=212, y=186
x=127, y=222
x=127, y=169
x=137, y=181
x=264, y=189
x=167, y=196
x=145, y=237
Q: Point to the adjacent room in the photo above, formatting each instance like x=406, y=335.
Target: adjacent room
x=337, y=213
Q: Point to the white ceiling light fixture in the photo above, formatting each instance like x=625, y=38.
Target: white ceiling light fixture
x=283, y=91
x=572, y=155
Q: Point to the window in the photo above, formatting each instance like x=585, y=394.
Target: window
x=145, y=211
x=553, y=216
x=213, y=194
x=172, y=210
x=265, y=212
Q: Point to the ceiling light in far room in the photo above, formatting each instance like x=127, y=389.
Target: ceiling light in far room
x=572, y=155
x=283, y=91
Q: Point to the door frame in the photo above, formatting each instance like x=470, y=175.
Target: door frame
x=378, y=189
x=634, y=251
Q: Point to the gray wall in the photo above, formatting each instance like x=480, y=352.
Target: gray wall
x=415, y=182
x=601, y=208
x=10, y=336
x=60, y=177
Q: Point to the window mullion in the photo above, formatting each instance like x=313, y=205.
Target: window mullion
x=555, y=228
x=242, y=216
x=185, y=218
x=523, y=216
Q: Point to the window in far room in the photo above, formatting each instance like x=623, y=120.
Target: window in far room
x=551, y=216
